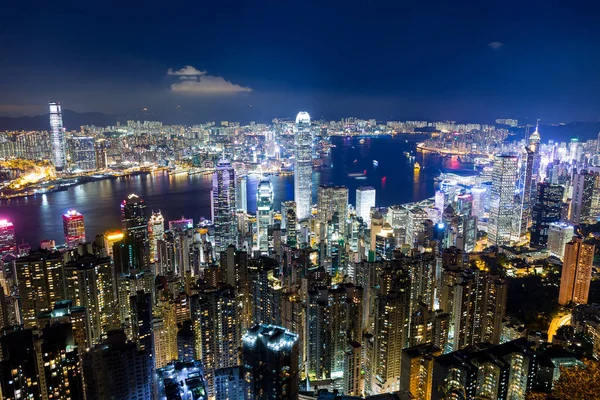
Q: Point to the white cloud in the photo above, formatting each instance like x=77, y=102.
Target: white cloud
x=188, y=70
x=495, y=45
x=193, y=81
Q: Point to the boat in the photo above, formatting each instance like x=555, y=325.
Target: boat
x=361, y=141
x=354, y=174
x=417, y=166
x=375, y=163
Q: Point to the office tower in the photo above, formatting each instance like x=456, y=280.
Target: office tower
x=576, y=272
x=90, y=284
x=229, y=383
x=559, y=234
x=73, y=228
x=241, y=193
x=334, y=317
x=270, y=360
x=223, y=205
x=18, y=366
x=333, y=200
x=116, y=369
x=83, y=153
x=217, y=330
x=135, y=227
x=288, y=222
x=365, y=201
x=40, y=279
x=506, y=371
x=583, y=193
x=100, y=154
x=181, y=380
x=525, y=195
x=164, y=332
x=128, y=286
x=65, y=312
x=266, y=293
x=109, y=239
x=59, y=370
x=385, y=243
x=417, y=370
x=264, y=214
x=156, y=231
x=376, y=226
x=58, y=136
x=141, y=320
x=303, y=166
x=8, y=242
x=502, y=210
x=547, y=209
x=479, y=194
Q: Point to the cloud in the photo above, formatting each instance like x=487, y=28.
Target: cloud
x=195, y=82
x=495, y=45
x=188, y=70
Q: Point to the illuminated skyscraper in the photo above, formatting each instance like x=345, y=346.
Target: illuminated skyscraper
x=502, y=207
x=8, y=242
x=241, y=193
x=365, y=201
x=73, y=228
x=164, y=332
x=583, y=193
x=479, y=194
x=58, y=136
x=223, y=206
x=332, y=200
x=270, y=359
x=82, y=153
x=135, y=226
x=264, y=214
x=547, y=209
x=559, y=234
x=156, y=231
x=576, y=272
x=303, y=167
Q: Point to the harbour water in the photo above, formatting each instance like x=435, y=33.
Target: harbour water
x=392, y=175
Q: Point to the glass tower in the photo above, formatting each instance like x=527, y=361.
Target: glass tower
x=58, y=136
x=223, y=205
x=264, y=214
x=502, y=199
x=303, y=167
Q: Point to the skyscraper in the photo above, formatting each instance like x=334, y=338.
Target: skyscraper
x=223, y=205
x=8, y=242
x=333, y=200
x=502, y=209
x=135, y=226
x=58, y=136
x=303, y=167
x=583, y=191
x=82, y=153
x=241, y=193
x=365, y=201
x=156, y=231
x=264, y=214
x=559, y=234
x=547, y=209
x=270, y=359
x=73, y=228
x=576, y=272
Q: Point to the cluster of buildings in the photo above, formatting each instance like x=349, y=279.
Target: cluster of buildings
x=299, y=300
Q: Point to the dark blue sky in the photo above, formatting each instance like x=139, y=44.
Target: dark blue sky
x=260, y=59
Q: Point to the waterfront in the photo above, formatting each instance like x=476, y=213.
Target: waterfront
x=396, y=181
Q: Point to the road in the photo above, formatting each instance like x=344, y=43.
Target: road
x=557, y=323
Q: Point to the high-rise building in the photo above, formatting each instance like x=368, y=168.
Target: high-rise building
x=156, y=231
x=502, y=199
x=583, y=193
x=417, y=370
x=18, y=372
x=241, y=193
x=164, y=332
x=478, y=193
x=559, y=234
x=333, y=200
x=82, y=153
x=8, y=242
x=100, y=153
x=223, y=205
x=303, y=166
x=229, y=383
x=73, y=228
x=576, y=272
x=181, y=380
x=264, y=214
x=547, y=209
x=65, y=311
x=58, y=136
x=135, y=226
x=365, y=201
x=270, y=360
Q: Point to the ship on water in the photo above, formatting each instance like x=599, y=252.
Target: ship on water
x=417, y=166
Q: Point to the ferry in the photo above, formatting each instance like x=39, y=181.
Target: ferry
x=361, y=141
x=417, y=166
x=375, y=163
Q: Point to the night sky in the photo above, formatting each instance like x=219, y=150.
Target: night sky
x=262, y=59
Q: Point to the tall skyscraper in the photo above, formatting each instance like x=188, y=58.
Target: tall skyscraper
x=502, y=201
x=583, y=193
x=559, y=234
x=270, y=359
x=576, y=272
x=417, y=369
x=223, y=205
x=8, y=242
x=478, y=193
x=333, y=200
x=241, y=193
x=303, y=167
x=135, y=226
x=58, y=136
x=547, y=209
x=365, y=201
x=156, y=231
x=73, y=228
x=264, y=214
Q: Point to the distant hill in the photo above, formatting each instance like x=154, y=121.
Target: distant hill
x=71, y=120
x=564, y=133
